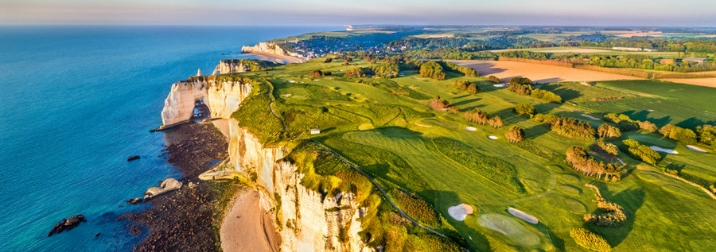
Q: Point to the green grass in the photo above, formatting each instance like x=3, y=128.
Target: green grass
x=429, y=153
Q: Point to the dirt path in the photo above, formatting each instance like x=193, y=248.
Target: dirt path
x=506, y=70
x=246, y=227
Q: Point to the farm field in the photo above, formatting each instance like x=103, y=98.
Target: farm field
x=506, y=70
x=387, y=127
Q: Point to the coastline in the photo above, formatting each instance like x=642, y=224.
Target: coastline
x=182, y=220
x=278, y=58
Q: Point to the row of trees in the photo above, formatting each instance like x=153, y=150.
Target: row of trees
x=468, y=72
x=677, y=133
x=524, y=86
x=641, y=152
x=573, y=128
x=614, y=214
x=583, y=163
x=480, y=117
x=625, y=123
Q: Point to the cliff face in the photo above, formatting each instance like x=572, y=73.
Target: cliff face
x=225, y=67
x=222, y=99
x=306, y=222
x=270, y=47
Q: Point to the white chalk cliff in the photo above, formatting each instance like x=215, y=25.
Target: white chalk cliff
x=272, y=48
x=222, y=98
x=306, y=223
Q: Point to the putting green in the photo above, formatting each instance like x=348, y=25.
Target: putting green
x=532, y=185
x=575, y=206
x=569, y=189
x=509, y=227
x=569, y=178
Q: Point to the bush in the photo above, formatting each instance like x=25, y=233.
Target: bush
x=525, y=109
x=316, y=74
x=589, y=240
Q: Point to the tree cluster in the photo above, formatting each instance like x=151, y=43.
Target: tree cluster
x=608, y=148
x=641, y=152
x=608, y=131
x=573, y=128
x=443, y=105
x=583, y=163
x=386, y=70
x=468, y=72
x=466, y=86
x=515, y=134
x=707, y=135
x=525, y=109
x=432, y=69
x=358, y=72
x=546, y=95
x=623, y=121
x=589, y=240
x=480, y=117
x=677, y=133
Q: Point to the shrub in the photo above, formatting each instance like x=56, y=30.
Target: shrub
x=515, y=134
x=608, y=148
x=545, y=118
x=589, y=240
x=316, y=74
x=614, y=216
x=525, y=109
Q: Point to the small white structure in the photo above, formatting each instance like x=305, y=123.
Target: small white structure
x=500, y=85
x=315, y=131
x=199, y=73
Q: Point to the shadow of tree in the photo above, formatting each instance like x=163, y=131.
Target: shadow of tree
x=463, y=102
x=567, y=94
x=631, y=200
x=691, y=123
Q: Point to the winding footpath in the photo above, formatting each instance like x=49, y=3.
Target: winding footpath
x=380, y=188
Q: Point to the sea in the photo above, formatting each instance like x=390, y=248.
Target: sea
x=75, y=102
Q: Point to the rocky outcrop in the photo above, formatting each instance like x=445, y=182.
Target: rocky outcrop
x=222, y=99
x=168, y=185
x=228, y=67
x=67, y=224
x=307, y=221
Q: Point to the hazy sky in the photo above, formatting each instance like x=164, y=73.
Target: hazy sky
x=337, y=12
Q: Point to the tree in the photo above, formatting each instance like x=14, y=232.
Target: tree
x=642, y=152
x=493, y=79
x=316, y=74
x=473, y=89
x=589, y=240
x=525, y=109
x=476, y=116
x=606, y=130
x=386, y=70
x=355, y=72
x=648, y=126
x=520, y=81
x=515, y=134
x=432, y=70
x=328, y=60
x=495, y=122
x=546, y=95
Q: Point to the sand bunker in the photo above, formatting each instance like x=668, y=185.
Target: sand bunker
x=286, y=95
x=667, y=151
x=492, y=137
x=522, y=215
x=510, y=228
x=366, y=126
x=696, y=149
x=468, y=128
x=591, y=117
x=460, y=212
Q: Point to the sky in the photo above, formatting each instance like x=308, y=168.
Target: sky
x=340, y=12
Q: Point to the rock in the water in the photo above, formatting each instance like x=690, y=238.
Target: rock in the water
x=132, y=158
x=67, y=224
x=134, y=201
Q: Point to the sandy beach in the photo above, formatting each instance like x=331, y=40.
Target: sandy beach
x=246, y=227
x=277, y=58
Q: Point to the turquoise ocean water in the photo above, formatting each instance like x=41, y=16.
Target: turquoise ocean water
x=76, y=101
